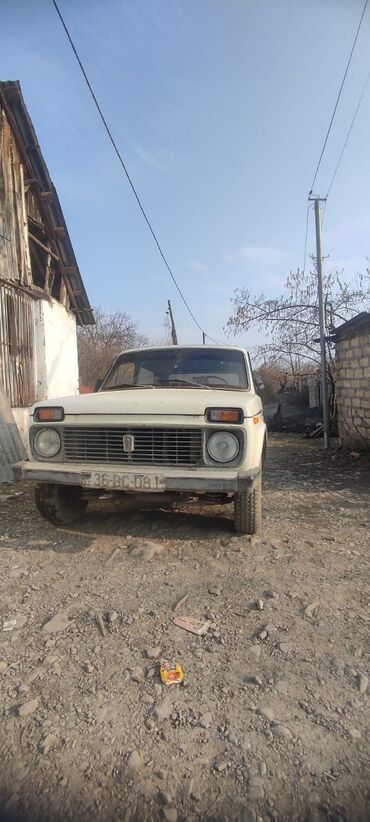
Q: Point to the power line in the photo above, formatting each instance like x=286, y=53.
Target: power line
x=362, y=95
x=349, y=133
x=339, y=94
x=118, y=153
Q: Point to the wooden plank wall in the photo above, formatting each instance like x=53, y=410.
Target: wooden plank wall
x=17, y=354
x=15, y=265
x=17, y=346
x=11, y=447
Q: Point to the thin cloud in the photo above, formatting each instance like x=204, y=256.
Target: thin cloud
x=258, y=255
x=361, y=224
x=174, y=109
x=150, y=158
x=195, y=265
x=160, y=159
x=347, y=264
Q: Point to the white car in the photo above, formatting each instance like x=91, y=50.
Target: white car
x=185, y=420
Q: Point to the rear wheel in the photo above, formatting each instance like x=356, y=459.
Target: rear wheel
x=248, y=508
x=59, y=504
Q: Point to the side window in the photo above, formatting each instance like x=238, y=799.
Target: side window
x=250, y=373
x=124, y=373
x=145, y=377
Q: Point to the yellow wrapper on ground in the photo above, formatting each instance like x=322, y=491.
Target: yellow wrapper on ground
x=171, y=672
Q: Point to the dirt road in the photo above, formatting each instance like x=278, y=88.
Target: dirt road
x=272, y=721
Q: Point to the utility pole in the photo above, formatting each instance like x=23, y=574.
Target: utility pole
x=324, y=378
x=173, y=327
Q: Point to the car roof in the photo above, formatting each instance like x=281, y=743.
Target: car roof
x=178, y=347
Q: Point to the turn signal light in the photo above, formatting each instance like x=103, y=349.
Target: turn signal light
x=49, y=414
x=227, y=415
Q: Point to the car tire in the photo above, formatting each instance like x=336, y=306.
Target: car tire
x=248, y=508
x=59, y=504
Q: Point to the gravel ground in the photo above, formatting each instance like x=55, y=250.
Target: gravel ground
x=272, y=721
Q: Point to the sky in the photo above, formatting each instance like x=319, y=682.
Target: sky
x=220, y=108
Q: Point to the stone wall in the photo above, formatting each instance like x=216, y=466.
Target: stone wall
x=353, y=387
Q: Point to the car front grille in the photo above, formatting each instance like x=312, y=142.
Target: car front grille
x=151, y=446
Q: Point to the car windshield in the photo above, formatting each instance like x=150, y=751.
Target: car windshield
x=178, y=368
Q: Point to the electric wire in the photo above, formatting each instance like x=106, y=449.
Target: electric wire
x=339, y=95
x=362, y=95
x=124, y=167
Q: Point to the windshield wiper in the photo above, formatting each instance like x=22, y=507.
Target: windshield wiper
x=183, y=382
x=125, y=385
x=122, y=385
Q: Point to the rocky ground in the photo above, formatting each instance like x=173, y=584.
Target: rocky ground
x=272, y=721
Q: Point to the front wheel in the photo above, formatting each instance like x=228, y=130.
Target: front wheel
x=59, y=504
x=248, y=508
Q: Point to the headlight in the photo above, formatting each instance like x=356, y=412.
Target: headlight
x=48, y=414
x=226, y=415
x=223, y=446
x=47, y=442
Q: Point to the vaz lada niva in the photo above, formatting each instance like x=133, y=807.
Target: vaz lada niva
x=183, y=420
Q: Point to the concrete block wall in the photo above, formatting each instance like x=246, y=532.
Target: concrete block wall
x=353, y=388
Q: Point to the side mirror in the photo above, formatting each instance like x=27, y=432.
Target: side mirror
x=258, y=381
x=98, y=384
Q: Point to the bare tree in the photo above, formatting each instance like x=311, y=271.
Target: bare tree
x=291, y=320
x=273, y=379
x=98, y=344
x=165, y=339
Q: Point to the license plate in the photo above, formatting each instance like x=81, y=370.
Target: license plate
x=122, y=482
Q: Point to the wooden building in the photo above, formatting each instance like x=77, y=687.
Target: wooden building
x=42, y=296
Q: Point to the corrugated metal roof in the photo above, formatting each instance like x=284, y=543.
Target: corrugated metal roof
x=352, y=326
x=11, y=446
x=47, y=198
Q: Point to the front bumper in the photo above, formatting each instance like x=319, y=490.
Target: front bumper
x=196, y=480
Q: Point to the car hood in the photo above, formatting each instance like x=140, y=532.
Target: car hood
x=152, y=401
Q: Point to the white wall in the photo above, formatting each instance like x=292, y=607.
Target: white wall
x=57, y=361
x=23, y=419
x=56, y=357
